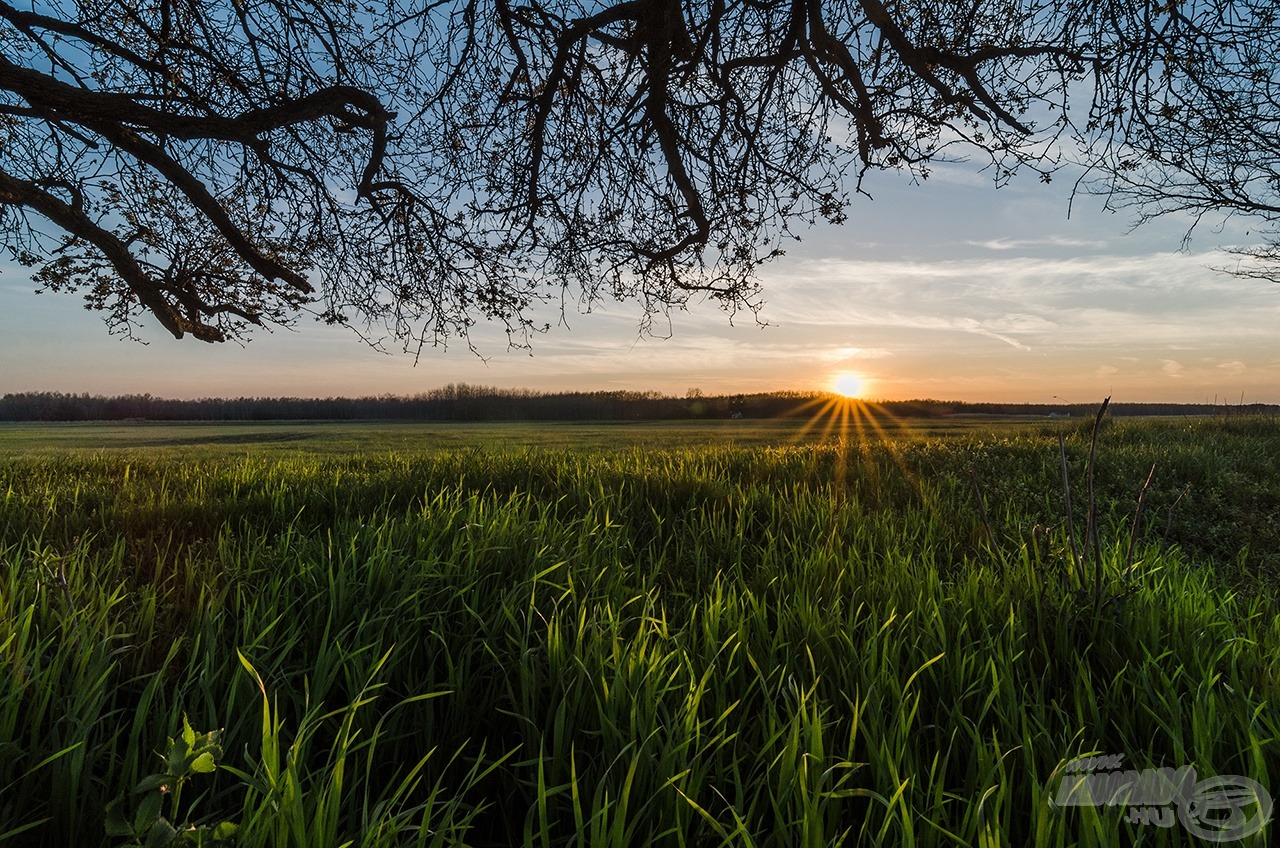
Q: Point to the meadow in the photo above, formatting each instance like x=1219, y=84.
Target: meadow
x=726, y=633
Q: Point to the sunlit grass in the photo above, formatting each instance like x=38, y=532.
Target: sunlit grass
x=839, y=417
x=788, y=645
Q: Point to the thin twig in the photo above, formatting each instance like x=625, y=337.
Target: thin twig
x=60, y=579
x=1137, y=522
x=1066, y=493
x=1168, y=525
x=1091, y=528
x=982, y=509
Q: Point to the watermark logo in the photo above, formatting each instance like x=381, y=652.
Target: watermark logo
x=1225, y=808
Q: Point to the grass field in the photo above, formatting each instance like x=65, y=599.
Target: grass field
x=701, y=634
x=336, y=438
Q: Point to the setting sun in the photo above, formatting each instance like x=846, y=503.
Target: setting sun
x=849, y=385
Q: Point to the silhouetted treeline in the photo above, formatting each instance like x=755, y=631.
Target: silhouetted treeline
x=461, y=402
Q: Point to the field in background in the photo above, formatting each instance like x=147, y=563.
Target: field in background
x=686, y=633
x=387, y=437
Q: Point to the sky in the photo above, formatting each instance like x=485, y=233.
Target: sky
x=950, y=289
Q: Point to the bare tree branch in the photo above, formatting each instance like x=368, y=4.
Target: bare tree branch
x=427, y=164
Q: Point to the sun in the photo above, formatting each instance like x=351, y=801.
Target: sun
x=849, y=385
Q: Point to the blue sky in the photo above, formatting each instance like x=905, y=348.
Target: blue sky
x=951, y=289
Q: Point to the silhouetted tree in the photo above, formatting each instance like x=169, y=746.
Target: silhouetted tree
x=1196, y=125
x=421, y=164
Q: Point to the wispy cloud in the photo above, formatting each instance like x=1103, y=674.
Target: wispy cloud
x=1052, y=241
x=1161, y=299
x=842, y=354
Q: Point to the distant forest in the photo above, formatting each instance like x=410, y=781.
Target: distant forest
x=461, y=402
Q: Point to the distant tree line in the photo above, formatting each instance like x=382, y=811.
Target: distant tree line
x=462, y=402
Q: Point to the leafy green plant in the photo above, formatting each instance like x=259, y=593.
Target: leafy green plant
x=147, y=826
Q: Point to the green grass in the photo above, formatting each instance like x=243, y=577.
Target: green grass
x=624, y=634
